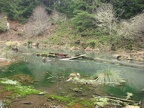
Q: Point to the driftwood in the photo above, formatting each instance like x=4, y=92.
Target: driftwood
x=56, y=55
x=121, y=99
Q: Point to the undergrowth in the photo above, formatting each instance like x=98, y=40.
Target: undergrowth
x=66, y=33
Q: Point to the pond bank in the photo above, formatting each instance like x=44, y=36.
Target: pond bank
x=120, y=54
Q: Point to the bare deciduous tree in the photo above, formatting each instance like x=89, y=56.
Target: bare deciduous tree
x=105, y=17
x=38, y=23
x=133, y=27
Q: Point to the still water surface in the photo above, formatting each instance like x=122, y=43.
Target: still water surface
x=35, y=67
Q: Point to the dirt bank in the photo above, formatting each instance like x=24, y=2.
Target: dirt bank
x=35, y=101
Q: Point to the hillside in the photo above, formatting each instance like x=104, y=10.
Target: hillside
x=82, y=24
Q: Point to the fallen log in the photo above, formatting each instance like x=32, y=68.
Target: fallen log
x=116, y=101
x=75, y=57
x=104, y=60
x=61, y=55
x=56, y=55
x=65, y=57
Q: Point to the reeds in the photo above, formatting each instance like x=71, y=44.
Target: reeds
x=109, y=78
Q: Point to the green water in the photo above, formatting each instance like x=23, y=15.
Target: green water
x=52, y=73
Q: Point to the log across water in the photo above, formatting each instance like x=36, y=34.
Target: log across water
x=65, y=57
x=104, y=60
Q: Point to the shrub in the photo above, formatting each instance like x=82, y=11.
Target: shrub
x=83, y=20
x=20, y=34
x=3, y=27
x=92, y=43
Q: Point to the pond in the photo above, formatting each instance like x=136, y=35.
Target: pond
x=53, y=74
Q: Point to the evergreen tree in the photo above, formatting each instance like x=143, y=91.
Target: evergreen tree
x=83, y=20
x=127, y=8
x=18, y=9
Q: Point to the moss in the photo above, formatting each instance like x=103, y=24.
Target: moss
x=17, y=89
x=86, y=102
x=60, y=98
x=71, y=101
x=21, y=91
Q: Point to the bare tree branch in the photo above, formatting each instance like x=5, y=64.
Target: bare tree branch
x=38, y=23
x=133, y=27
x=105, y=17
